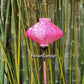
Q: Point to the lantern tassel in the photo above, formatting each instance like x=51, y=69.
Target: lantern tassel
x=44, y=72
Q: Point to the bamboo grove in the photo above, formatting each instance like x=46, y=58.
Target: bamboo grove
x=16, y=64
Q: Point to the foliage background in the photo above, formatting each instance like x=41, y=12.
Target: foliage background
x=16, y=64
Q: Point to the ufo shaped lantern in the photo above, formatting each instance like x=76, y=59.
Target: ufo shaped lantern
x=44, y=32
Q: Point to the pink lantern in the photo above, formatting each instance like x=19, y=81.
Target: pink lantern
x=44, y=32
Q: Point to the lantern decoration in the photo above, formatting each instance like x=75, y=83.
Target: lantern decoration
x=44, y=32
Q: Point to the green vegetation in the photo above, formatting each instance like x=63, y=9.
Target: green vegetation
x=16, y=64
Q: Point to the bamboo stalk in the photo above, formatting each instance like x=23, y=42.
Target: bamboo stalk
x=18, y=73
x=47, y=74
x=71, y=44
x=2, y=31
x=37, y=10
x=60, y=25
x=50, y=66
x=6, y=28
x=26, y=11
x=55, y=12
x=6, y=23
x=37, y=52
x=26, y=63
x=60, y=65
x=67, y=46
x=6, y=60
x=65, y=28
x=8, y=74
x=55, y=22
x=70, y=59
x=76, y=63
x=2, y=58
x=26, y=59
x=15, y=38
x=83, y=79
x=25, y=52
x=29, y=54
x=58, y=20
x=37, y=47
x=18, y=65
x=81, y=38
x=32, y=51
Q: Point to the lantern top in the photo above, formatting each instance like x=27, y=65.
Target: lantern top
x=44, y=19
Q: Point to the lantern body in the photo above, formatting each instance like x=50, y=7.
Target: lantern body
x=44, y=32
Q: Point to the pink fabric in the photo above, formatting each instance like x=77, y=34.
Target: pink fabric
x=44, y=32
x=44, y=72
